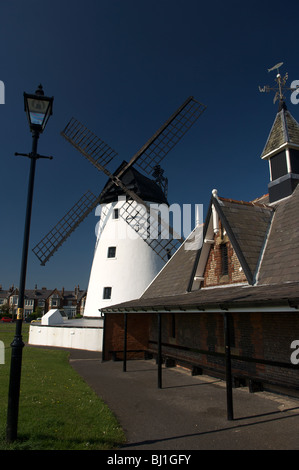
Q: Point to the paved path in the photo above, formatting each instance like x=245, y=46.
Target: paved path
x=188, y=413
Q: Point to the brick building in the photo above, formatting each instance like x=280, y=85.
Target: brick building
x=235, y=293
x=43, y=299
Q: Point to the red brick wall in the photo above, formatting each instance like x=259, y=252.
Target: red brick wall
x=213, y=271
x=199, y=340
x=265, y=336
x=137, y=334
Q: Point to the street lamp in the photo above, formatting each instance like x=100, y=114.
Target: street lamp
x=38, y=109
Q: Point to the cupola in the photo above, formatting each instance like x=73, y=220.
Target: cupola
x=282, y=152
x=282, y=146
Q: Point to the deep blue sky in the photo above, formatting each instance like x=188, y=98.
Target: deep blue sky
x=123, y=67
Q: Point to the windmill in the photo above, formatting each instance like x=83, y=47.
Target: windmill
x=134, y=209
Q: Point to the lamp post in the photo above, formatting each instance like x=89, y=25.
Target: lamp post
x=38, y=109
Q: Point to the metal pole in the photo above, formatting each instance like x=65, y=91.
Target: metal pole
x=17, y=344
x=159, y=351
x=125, y=341
x=229, y=391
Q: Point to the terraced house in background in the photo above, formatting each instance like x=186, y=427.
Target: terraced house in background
x=43, y=299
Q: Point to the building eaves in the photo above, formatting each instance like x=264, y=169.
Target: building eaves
x=218, y=298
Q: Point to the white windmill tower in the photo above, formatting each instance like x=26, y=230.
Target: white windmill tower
x=123, y=265
x=126, y=259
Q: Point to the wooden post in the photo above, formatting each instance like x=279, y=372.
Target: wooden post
x=159, y=351
x=228, y=369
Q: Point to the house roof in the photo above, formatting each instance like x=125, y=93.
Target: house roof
x=247, y=225
x=4, y=294
x=39, y=294
x=285, y=131
x=73, y=294
x=281, y=257
x=174, y=277
x=265, y=239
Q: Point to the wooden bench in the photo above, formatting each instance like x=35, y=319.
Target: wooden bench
x=114, y=353
x=172, y=360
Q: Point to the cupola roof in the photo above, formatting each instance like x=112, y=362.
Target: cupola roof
x=284, y=132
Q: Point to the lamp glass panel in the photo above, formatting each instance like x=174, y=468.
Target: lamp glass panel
x=37, y=110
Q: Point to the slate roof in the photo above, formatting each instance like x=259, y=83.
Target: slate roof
x=38, y=294
x=73, y=295
x=268, y=238
x=4, y=294
x=285, y=130
x=174, y=278
x=247, y=225
x=281, y=258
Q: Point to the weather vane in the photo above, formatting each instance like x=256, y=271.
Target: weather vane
x=281, y=84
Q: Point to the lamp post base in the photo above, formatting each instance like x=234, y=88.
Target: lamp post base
x=14, y=387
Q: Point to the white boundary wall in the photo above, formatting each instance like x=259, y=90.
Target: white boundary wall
x=90, y=339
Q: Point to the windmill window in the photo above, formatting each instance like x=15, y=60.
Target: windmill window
x=111, y=252
x=224, y=260
x=107, y=292
x=115, y=214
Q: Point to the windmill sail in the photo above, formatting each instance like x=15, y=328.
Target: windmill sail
x=63, y=229
x=158, y=146
x=100, y=155
x=152, y=228
x=91, y=146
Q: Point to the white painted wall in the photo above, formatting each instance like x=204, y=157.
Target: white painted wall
x=52, y=317
x=90, y=339
x=129, y=273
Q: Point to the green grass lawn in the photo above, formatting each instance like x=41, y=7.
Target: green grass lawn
x=58, y=410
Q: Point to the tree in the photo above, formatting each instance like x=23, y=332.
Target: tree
x=5, y=310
